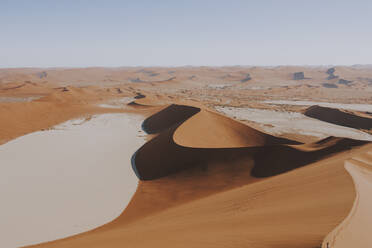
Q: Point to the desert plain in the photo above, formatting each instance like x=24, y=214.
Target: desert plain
x=242, y=156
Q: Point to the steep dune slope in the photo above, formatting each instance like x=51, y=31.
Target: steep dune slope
x=207, y=197
x=168, y=117
x=211, y=130
x=208, y=137
x=339, y=117
x=354, y=231
x=275, y=160
x=295, y=209
x=177, y=148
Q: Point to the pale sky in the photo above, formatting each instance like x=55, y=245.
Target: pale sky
x=82, y=33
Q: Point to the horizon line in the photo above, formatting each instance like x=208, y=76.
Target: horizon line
x=183, y=66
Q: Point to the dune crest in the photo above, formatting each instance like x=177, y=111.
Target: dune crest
x=188, y=190
x=354, y=231
x=274, y=160
x=168, y=117
x=192, y=137
x=196, y=137
x=211, y=130
x=339, y=117
x=207, y=180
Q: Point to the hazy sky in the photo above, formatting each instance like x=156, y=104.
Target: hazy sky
x=48, y=33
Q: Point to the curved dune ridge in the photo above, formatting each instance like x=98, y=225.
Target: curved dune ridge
x=207, y=180
x=211, y=130
x=167, y=118
x=339, y=117
x=274, y=160
x=211, y=195
x=195, y=137
x=143, y=101
x=354, y=231
x=191, y=137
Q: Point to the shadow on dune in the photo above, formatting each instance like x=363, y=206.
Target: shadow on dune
x=167, y=118
x=275, y=160
x=213, y=184
x=163, y=155
x=338, y=117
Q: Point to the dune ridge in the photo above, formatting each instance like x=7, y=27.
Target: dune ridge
x=184, y=188
x=173, y=149
x=354, y=230
x=195, y=137
x=339, y=117
x=242, y=216
x=221, y=183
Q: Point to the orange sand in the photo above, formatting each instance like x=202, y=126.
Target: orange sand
x=208, y=180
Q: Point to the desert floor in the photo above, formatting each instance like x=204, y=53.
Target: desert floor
x=186, y=157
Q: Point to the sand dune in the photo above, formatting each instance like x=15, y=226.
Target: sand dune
x=207, y=129
x=355, y=107
x=198, y=192
x=55, y=106
x=208, y=180
x=295, y=209
x=339, y=117
x=197, y=142
x=283, y=122
x=279, y=159
x=204, y=137
x=354, y=231
x=168, y=117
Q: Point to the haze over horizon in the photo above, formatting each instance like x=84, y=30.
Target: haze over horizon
x=114, y=33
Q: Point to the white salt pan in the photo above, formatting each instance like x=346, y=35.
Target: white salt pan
x=279, y=122
x=68, y=180
x=355, y=107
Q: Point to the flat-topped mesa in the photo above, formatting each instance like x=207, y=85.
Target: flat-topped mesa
x=298, y=75
x=331, y=74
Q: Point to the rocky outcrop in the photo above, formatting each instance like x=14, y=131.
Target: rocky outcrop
x=331, y=70
x=42, y=74
x=328, y=85
x=298, y=75
x=345, y=82
x=136, y=80
x=331, y=74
